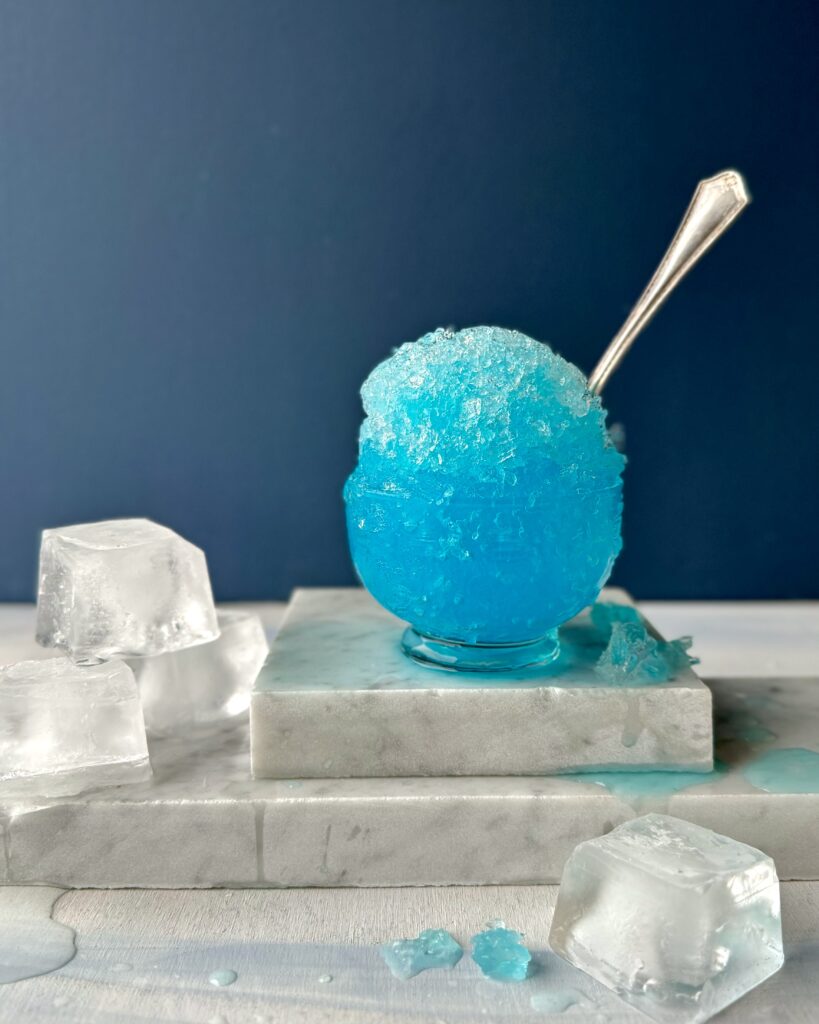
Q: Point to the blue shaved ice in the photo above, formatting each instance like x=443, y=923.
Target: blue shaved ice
x=485, y=507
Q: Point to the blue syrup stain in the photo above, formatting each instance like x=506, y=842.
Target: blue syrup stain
x=556, y=1002
x=648, y=787
x=433, y=948
x=501, y=955
x=222, y=978
x=791, y=770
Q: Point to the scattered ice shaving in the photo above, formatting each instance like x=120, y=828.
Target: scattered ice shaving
x=486, y=503
x=501, y=955
x=634, y=656
x=677, y=920
x=434, y=947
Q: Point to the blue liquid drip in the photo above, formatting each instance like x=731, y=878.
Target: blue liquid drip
x=643, y=787
x=792, y=770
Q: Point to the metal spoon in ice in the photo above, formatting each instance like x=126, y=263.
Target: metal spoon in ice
x=717, y=202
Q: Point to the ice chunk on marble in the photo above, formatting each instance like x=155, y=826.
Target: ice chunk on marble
x=678, y=920
x=203, y=684
x=65, y=728
x=633, y=655
x=123, y=587
x=434, y=947
x=501, y=955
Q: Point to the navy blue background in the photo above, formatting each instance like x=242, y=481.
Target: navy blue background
x=215, y=218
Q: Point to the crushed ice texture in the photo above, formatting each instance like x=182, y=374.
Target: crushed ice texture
x=206, y=684
x=433, y=948
x=123, y=587
x=486, y=503
x=678, y=920
x=65, y=728
x=501, y=955
x=604, y=614
x=634, y=656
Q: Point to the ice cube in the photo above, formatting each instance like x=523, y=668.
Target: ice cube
x=203, y=684
x=122, y=587
x=65, y=728
x=676, y=919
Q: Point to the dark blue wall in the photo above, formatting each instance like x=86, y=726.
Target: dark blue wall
x=216, y=217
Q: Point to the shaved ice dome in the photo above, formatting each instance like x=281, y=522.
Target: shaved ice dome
x=485, y=507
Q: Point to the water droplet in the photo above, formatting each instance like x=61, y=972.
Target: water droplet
x=325, y=979
x=223, y=977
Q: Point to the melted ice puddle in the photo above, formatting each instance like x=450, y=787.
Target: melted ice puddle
x=557, y=1001
x=790, y=770
x=222, y=978
x=31, y=942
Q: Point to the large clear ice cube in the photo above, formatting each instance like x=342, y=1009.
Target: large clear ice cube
x=203, y=684
x=676, y=919
x=65, y=728
x=123, y=587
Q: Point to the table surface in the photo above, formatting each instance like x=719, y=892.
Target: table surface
x=148, y=955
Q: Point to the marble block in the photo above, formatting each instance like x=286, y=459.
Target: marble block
x=202, y=822
x=337, y=698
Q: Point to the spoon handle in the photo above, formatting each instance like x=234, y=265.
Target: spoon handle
x=716, y=204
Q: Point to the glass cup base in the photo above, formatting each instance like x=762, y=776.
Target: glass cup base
x=453, y=656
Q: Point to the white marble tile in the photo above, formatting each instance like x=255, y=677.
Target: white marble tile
x=338, y=698
x=202, y=821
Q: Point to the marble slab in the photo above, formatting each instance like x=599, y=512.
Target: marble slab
x=337, y=698
x=202, y=822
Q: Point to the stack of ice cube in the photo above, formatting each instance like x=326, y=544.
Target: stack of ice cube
x=130, y=604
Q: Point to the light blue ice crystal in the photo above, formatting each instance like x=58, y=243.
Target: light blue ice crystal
x=433, y=948
x=634, y=656
x=486, y=503
x=605, y=613
x=501, y=955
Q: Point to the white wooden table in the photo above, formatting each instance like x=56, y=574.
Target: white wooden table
x=147, y=955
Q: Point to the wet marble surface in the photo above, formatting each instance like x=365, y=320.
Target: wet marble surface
x=202, y=821
x=337, y=698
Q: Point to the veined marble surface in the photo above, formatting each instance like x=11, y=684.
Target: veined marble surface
x=202, y=821
x=338, y=698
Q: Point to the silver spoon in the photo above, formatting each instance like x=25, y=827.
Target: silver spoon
x=717, y=202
